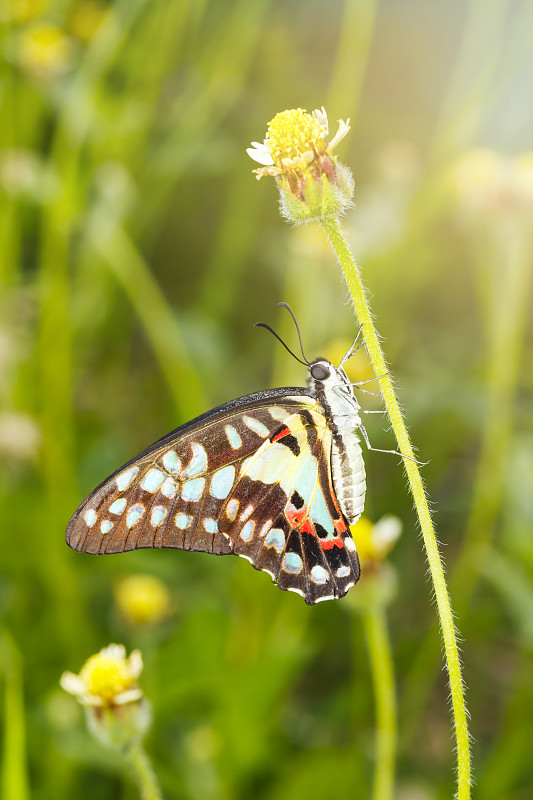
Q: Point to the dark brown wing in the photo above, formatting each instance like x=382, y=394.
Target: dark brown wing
x=171, y=495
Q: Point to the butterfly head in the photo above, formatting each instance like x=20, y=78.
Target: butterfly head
x=333, y=389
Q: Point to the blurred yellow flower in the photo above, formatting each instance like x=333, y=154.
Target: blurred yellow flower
x=487, y=182
x=86, y=17
x=375, y=541
x=312, y=183
x=21, y=10
x=107, y=678
x=44, y=51
x=142, y=599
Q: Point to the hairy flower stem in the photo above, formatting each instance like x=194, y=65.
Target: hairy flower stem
x=144, y=773
x=333, y=230
x=375, y=625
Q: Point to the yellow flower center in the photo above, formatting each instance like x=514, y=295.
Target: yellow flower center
x=106, y=677
x=293, y=133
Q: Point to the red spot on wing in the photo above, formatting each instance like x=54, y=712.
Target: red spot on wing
x=280, y=435
x=308, y=527
x=327, y=544
x=340, y=525
x=296, y=516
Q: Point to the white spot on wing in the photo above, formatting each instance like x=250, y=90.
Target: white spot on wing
x=246, y=513
x=198, y=463
x=152, y=480
x=278, y=413
x=350, y=544
x=134, y=515
x=118, y=506
x=158, y=515
x=327, y=597
x=222, y=481
x=292, y=563
x=90, y=517
x=106, y=526
x=182, y=521
x=343, y=572
x=171, y=462
x=169, y=487
x=319, y=574
x=275, y=539
x=193, y=490
x=210, y=525
x=256, y=426
x=248, y=531
x=232, y=508
x=296, y=591
x=125, y=478
x=233, y=437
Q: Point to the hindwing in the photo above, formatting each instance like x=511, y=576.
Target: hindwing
x=282, y=515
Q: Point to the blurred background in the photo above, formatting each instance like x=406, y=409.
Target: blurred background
x=136, y=252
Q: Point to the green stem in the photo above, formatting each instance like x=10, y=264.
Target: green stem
x=375, y=625
x=14, y=780
x=333, y=230
x=144, y=773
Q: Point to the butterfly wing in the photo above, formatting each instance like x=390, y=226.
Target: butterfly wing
x=292, y=526
x=252, y=477
x=171, y=495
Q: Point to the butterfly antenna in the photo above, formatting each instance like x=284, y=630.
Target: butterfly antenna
x=273, y=332
x=291, y=312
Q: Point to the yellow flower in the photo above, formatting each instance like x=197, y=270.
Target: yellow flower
x=312, y=183
x=142, y=599
x=44, y=51
x=107, y=679
x=378, y=583
x=375, y=541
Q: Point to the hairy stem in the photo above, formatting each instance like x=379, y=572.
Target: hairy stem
x=144, y=773
x=333, y=230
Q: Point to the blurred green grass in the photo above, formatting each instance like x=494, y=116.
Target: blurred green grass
x=136, y=251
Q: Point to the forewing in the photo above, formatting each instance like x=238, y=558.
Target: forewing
x=172, y=494
x=282, y=514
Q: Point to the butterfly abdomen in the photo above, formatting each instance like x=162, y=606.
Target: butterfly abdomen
x=349, y=478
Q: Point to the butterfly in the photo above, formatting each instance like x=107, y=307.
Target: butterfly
x=276, y=477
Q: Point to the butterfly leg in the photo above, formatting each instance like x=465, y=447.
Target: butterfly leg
x=392, y=452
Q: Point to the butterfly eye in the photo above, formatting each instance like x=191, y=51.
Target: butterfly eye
x=319, y=372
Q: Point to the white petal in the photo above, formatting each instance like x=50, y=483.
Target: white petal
x=387, y=530
x=136, y=663
x=72, y=684
x=322, y=119
x=130, y=696
x=91, y=700
x=114, y=651
x=344, y=127
x=260, y=154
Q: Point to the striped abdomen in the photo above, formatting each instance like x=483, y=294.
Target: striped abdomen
x=349, y=477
